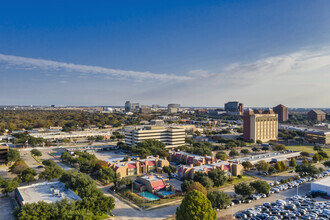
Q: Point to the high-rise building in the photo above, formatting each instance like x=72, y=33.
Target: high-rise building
x=234, y=108
x=316, y=114
x=145, y=110
x=128, y=106
x=260, y=126
x=135, y=106
x=173, y=108
x=170, y=136
x=282, y=112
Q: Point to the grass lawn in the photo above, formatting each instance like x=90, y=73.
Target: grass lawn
x=308, y=149
x=244, y=178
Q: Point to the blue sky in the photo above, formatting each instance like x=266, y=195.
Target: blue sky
x=196, y=53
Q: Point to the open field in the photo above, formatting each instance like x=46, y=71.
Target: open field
x=308, y=149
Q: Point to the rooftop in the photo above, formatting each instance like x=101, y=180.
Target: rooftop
x=325, y=181
x=48, y=192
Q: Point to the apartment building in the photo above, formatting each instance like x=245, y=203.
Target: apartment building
x=259, y=125
x=316, y=114
x=187, y=158
x=138, y=166
x=188, y=171
x=170, y=136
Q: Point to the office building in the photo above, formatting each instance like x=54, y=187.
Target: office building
x=316, y=114
x=170, y=136
x=317, y=136
x=49, y=192
x=145, y=110
x=282, y=112
x=260, y=126
x=135, y=106
x=173, y=108
x=128, y=106
x=269, y=157
x=234, y=108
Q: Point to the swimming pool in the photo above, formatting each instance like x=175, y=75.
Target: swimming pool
x=149, y=196
x=165, y=193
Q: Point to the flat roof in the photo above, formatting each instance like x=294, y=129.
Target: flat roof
x=325, y=181
x=48, y=192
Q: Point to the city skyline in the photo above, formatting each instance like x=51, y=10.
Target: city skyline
x=194, y=53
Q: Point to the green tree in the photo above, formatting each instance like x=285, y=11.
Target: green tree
x=265, y=148
x=245, y=151
x=51, y=172
x=206, y=182
x=49, y=163
x=327, y=163
x=293, y=162
x=260, y=186
x=185, y=185
x=307, y=168
x=262, y=165
x=219, y=199
x=169, y=170
x=196, y=186
x=106, y=174
x=36, y=153
x=10, y=185
x=221, y=155
x=317, y=157
x=13, y=155
x=243, y=189
x=283, y=165
x=247, y=165
x=278, y=166
x=279, y=147
x=127, y=181
x=217, y=176
x=259, y=142
x=233, y=153
x=323, y=154
x=304, y=154
x=28, y=175
x=255, y=149
x=195, y=206
x=304, y=161
x=271, y=170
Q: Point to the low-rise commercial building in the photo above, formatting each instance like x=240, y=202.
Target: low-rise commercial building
x=170, y=136
x=48, y=192
x=322, y=185
x=269, y=157
x=317, y=136
x=138, y=166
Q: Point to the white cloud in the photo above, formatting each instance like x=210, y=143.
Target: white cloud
x=63, y=82
x=32, y=63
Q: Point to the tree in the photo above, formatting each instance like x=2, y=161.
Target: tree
x=278, y=166
x=304, y=161
x=279, y=147
x=233, y=153
x=217, y=176
x=51, y=172
x=283, y=165
x=221, y=155
x=317, y=148
x=219, y=199
x=271, y=170
x=195, y=206
x=255, y=149
x=307, y=168
x=49, y=163
x=169, y=170
x=265, y=148
x=327, y=163
x=126, y=181
x=10, y=185
x=28, y=175
x=206, y=182
x=262, y=165
x=323, y=154
x=36, y=153
x=293, y=162
x=245, y=151
x=106, y=174
x=196, y=186
x=317, y=157
x=13, y=155
x=243, y=189
x=304, y=154
x=185, y=185
x=260, y=186
x=19, y=166
x=247, y=165
x=259, y=142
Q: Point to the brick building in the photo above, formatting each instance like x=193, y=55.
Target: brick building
x=187, y=158
x=282, y=112
x=316, y=114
